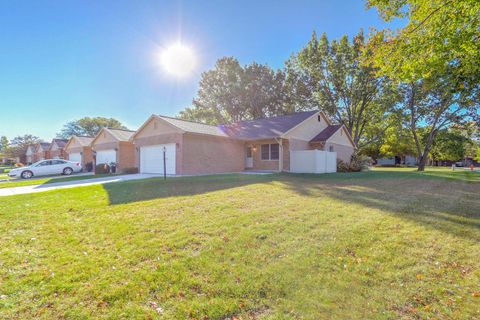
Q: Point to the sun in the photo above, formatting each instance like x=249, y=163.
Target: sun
x=178, y=60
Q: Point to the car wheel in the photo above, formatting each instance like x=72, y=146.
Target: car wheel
x=67, y=171
x=27, y=174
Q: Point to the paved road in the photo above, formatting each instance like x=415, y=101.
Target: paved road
x=72, y=184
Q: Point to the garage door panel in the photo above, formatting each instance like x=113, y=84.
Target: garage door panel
x=75, y=157
x=106, y=156
x=151, y=158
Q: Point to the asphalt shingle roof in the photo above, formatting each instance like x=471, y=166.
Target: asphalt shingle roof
x=60, y=142
x=326, y=133
x=120, y=134
x=44, y=145
x=266, y=128
x=84, y=141
x=195, y=127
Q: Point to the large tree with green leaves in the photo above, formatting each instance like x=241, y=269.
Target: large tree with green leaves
x=231, y=92
x=332, y=76
x=440, y=37
x=432, y=105
x=3, y=143
x=88, y=126
x=450, y=144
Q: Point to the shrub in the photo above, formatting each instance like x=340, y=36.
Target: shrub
x=102, y=168
x=19, y=164
x=357, y=163
x=130, y=170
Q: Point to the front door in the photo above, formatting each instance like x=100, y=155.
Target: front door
x=249, y=158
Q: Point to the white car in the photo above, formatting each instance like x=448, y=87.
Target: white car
x=46, y=167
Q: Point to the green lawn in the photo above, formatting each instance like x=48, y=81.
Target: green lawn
x=387, y=244
x=44, y=180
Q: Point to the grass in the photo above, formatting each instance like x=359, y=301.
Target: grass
x=44, y=180
x=387, y=244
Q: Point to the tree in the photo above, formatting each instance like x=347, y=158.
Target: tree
x=231, y=93
x=332, y=76
x=431, y=105
x=439, y=35
x=3, y=143
x=18, y=145
x=449, y=145
x=88, y=126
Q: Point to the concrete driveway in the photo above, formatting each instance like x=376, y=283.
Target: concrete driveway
x=73, y=184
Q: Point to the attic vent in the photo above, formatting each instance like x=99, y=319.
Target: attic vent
x=319, y=118
x=155, y=125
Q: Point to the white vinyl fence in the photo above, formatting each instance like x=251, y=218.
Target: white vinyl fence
x=313, y=161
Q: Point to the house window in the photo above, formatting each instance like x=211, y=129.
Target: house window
x=265, y=151
x=319, y=118
x=270, y=151
x=330, y=148
x=274, y=151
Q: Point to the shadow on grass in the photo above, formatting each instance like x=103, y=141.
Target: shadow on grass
x=154, y=188
x=449, y=203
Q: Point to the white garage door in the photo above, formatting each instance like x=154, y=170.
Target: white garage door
x=75, y=157
x=106, y=156
x=151, y=158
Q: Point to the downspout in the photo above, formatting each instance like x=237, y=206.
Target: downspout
x=280, y=154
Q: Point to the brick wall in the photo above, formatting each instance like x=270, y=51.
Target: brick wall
x=204, y=154
x=125, y=155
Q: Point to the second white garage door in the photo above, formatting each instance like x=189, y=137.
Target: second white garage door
x=75, y=157
x=106, y=156
x=151, y=158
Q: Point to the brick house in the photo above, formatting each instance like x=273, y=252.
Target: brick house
x=264, y=144
x=41, y=151
x=57, y=149
x=114, y=146
x=29, y=154
x=78, y=149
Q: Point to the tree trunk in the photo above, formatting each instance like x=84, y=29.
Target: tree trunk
x=422, y=163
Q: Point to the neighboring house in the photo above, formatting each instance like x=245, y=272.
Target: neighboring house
x=41, y=151
x=29, y=154
x=113, y=145
x=78, y=149
x=263, y=144
x=57, y=149
x=407, y=160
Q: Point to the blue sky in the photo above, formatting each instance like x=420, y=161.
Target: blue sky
x=62, y=60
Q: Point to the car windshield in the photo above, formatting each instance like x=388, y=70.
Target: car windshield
x=36, y=163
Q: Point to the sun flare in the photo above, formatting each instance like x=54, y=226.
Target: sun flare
x=178, y=60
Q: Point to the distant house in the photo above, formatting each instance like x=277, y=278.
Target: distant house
x=42, y=151
x=408, y=160
x=114, y=145
x=263, y=144
x=57, y=149
x=29, y=155
x=78, y=149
